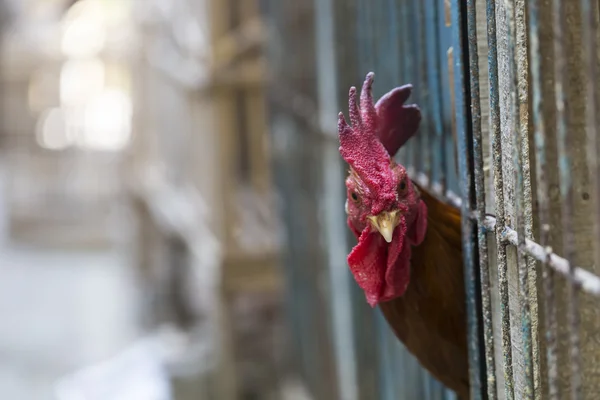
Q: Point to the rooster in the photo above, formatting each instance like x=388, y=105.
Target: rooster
x=408, y=259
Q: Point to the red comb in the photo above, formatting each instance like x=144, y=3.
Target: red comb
x=390, y=120
x=359, y=144
x=397, y=122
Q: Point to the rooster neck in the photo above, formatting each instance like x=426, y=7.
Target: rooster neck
x=430, y=318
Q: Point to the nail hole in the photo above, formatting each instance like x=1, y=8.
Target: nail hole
x=585, y=195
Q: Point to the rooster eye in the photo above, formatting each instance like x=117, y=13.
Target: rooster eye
x=354, y=196
x=402, y=185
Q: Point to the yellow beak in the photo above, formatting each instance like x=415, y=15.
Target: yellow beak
x=385, y=222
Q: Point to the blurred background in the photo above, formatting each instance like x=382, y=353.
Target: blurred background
x=140, y=249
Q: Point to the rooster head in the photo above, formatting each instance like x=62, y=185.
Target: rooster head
x=384, y=207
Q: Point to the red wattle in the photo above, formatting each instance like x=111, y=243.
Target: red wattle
x=380, y=269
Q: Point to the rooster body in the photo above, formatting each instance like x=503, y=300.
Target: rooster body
x=408, y=259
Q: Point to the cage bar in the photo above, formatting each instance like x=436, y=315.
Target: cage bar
x=499, y=197
x=589, y=12
x=480, y=199
x=466, y=187
x=439, y=143
x=423, y=89
x=566, y=187
x=543, y=203
x=520, y=206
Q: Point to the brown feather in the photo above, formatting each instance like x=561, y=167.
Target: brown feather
x=430, y=319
